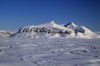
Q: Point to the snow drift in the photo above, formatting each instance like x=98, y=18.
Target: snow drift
x=52, y=30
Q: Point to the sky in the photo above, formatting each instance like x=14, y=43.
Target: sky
x=15, y=14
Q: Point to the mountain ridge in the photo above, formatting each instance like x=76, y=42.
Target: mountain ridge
x=52, y=29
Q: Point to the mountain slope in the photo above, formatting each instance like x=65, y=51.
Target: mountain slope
x=76, y=28
x=51, y=30
x=71, y=26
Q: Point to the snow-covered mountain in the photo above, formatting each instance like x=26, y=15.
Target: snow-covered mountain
x=51, y=30
x=4, y=33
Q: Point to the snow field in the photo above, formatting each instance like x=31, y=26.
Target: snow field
x=49, y=52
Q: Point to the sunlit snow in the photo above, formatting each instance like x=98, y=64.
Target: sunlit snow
x=49, y=52
x=50, y=44
x=51, y=29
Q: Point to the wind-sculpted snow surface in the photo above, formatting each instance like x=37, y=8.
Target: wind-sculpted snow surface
x=51, y=30
x=49, y=52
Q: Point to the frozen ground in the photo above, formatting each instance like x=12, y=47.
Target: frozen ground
x=49, y=52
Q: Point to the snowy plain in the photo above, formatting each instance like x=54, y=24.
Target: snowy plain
x=49, y=52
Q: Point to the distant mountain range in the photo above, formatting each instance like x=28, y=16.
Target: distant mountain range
x=4, y=33
x=53, y=30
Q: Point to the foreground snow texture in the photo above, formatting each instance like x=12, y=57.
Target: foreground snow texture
x=49, y=52
x=52, y=30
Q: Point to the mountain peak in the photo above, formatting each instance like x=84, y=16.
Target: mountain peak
x=53, y=22
x=71, y=22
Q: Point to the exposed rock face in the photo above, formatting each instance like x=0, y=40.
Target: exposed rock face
x=4, y=33
x=42, y=29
